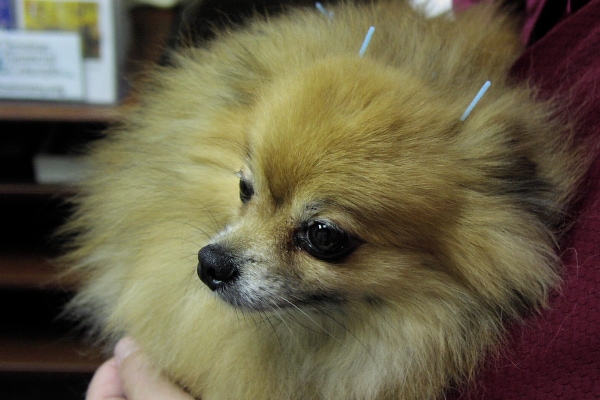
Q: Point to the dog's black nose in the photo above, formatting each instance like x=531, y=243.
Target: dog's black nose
x=216, y=267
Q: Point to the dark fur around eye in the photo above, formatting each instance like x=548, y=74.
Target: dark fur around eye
x=325, y=241
x=246, y=190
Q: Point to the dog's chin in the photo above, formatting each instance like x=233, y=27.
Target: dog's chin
x=264, y=300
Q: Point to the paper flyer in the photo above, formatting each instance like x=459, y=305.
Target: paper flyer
x=96, y=22
x=45, y=66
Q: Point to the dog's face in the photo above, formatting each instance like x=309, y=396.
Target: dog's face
x=350, y=188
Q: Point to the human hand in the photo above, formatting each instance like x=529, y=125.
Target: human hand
x=129, y=375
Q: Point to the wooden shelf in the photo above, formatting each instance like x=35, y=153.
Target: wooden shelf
x=37, y=355
x=63, y=112
x=32, y=338
x=34, y=189
x=29, y=271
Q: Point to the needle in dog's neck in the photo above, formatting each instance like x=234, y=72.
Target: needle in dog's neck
x=324, y=11
x=366, y=42
x=476, y=100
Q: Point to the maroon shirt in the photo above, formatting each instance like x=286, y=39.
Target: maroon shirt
x=557, y=355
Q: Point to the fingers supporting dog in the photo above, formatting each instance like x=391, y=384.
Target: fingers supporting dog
x=139, y=378
x=106, y=383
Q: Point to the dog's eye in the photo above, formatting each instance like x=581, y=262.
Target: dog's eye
x=246, y=190
x=324, y=241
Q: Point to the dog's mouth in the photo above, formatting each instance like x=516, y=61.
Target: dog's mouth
x=219, y=271
x=267, y=301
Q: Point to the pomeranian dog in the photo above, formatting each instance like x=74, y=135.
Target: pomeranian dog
x=281, y=217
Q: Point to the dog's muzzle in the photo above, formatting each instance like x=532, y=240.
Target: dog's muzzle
x=216, y=267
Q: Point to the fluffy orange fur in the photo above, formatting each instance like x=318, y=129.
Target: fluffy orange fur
x=453, y=224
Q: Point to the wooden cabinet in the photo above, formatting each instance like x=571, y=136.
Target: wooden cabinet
x=41, y=354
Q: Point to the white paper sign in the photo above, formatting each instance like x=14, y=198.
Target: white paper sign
x=43, y=66
x=97, y=22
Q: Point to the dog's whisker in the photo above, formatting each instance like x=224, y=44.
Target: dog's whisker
x=294, y=317
x=283, y=321
x=345, y=328
x=307, y=316
x=273, y=330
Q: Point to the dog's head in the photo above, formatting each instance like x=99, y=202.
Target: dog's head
x=350, y=188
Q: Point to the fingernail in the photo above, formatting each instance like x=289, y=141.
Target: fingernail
x=124, y=348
